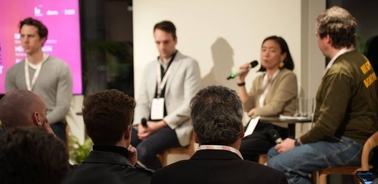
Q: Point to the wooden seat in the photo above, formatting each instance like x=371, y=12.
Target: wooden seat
x=371, y=143
x=67, y=143
x=263, y=159
x=188, y=150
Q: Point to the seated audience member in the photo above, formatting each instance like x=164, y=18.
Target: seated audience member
x=22, y=108
x=217, y=113
x=346, y=105
x=272, y=93
x=108, y=116
x=32, y=155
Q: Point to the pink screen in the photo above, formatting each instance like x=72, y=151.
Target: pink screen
x=62, y=20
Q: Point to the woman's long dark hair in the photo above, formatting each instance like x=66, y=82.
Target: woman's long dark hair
x=288, y=61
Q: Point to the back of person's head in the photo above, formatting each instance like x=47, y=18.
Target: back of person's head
x=217, y=114
x=31, y=155
x=288, y=62
x=166, y=26
x=340, y=25
x=107, y=115
x=20, y=108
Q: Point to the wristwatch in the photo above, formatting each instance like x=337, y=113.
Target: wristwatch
x=296, y=143
x=241, y=84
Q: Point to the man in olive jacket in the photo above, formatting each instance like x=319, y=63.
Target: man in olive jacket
x=108, y=116
x=346, y=105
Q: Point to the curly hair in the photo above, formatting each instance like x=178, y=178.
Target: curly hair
x=106, y=116
x=31, y=155
x=288, y=61
x=340, y=25
x=217, y=114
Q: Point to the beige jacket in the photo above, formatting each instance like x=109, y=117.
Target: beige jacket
x=280, y=99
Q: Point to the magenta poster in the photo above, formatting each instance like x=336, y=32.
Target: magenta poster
x=62, y=20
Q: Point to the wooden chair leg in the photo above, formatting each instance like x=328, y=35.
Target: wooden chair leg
x=314, y=177
x=323, y=178
x=356, y=180
x=164, y=160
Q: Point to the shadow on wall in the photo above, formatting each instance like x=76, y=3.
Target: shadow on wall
x=223, y=60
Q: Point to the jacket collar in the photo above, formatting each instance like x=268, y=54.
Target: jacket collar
x=107, y=157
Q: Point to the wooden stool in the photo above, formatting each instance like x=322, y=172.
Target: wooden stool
x=189, y=150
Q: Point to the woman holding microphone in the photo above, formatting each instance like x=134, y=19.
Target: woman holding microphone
x=272, y=93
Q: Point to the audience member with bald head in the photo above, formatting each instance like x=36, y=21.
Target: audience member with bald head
x=22, y=108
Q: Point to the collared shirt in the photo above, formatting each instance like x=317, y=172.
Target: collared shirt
x=164, y=65
x=341, y=52
x=220, y=147
x=265, y=85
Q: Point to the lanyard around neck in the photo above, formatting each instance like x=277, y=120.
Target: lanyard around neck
x=266, y=85
x=161, y=82
x=31, y=84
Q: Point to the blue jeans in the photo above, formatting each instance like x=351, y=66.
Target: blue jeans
x=301, y=161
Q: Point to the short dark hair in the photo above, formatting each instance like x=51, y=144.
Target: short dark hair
x=106, y=116
x=340, y=25
x=288, y=61
x=216, y=113
x=166, y=26
x=31, y=155
x=42, y=29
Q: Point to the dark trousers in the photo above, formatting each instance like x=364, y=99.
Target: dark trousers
x=260, y=141
x=59, y=130
x=156, y=143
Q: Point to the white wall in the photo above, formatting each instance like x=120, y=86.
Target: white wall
x=222, y=35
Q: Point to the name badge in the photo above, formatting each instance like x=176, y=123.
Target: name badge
x=157, y=109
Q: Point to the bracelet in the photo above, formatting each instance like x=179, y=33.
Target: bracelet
x=241, y=84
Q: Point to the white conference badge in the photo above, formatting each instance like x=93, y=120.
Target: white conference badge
x=157, y=109
x=251, y=126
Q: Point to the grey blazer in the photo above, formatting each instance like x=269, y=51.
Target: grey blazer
x=183, y=83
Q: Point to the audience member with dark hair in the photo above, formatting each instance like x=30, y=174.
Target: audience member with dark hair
x=32, y=155
x=108, y=116
x=272, y=93
x=22, y=108
x=346, y=105
x=217, y=114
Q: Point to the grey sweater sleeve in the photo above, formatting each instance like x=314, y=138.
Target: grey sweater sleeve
x=63, y=96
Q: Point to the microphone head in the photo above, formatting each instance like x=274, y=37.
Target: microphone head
x=275, y=136
x=144, y=122
x=254, y=63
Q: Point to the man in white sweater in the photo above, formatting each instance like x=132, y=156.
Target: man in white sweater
x=45, y=75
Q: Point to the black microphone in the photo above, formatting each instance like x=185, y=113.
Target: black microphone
x=144, y=123
x=275, y=136
x=251, y=65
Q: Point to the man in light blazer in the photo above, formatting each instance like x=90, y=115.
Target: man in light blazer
x=217, y=114
x=161, y=117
